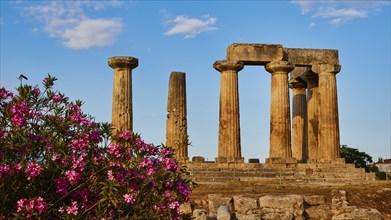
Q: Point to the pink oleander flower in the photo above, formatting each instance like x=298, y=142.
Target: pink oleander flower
x=174, y=205
x=116, y=150
x=5, y=169
x=33, y=169
x=167, y=194
x=28, y=207
x=79, y=163
x=126, y=135
x=151, y=171
x=56, y=157
x=169, y=164
x=18, y=166
x=73, y=176
x=56, y=98
x=73, y=209
x=110, y=175
x=129, y=198
x=37, y=91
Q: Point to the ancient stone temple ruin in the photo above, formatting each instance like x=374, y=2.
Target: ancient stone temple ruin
x=305, y=144
x=314, y=136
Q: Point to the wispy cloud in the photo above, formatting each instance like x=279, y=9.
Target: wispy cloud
x=339, y=12
x=69, y=21
x=191, y=27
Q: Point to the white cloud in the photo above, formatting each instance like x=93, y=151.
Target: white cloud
x=91, y=33
x=311, y=25
x=68, y=21
x=339, y=12
x=191, y=27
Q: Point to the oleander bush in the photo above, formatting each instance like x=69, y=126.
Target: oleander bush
x=58, y=163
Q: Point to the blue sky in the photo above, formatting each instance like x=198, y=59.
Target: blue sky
x=72, y=41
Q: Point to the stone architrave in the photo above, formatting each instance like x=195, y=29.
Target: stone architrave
x=176, y=130
x=122, y=108
x=280, y=127
x=229, y=149
x=299, y=120
x=313, y=104
x=329, y=148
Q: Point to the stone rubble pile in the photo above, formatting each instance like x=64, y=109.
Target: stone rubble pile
x=277, y=207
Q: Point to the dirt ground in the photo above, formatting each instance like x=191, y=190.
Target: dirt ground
x=373, y=194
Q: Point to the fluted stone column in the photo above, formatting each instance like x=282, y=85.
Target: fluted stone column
x=176, y=127
x=122, y=111
x=329, y=148
x=229, y=149
x=280, y=132
x=313, y=104
x=299, y=120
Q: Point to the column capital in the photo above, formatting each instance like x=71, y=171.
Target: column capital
x=326, y=68
x=310, y=78
x=279, y=66
x=123, y=62
x=294, y=83
x=223, y=65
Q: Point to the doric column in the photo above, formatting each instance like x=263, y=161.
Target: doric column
x=229, y=149
x=313, y=103
x=328, y=139
x=122, y=111
x=299, y=120
x=280, y=132
x=176, y=127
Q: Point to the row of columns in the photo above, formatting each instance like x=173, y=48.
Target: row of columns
x=315, y=126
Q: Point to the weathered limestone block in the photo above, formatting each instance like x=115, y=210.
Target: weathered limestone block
x=199, y=214
x=292, y=204
x=176, y=130
x=185, y=209
x=308, y=57
x=198, y=159
x=240, y=216
x=255, y=54
x=316, y=212
x=253, y=160
x=367, y=214
x=223, y=213
x=244, y=204
x=122, y=107
x=278, y=216
x=314, y=200
x=216, y=200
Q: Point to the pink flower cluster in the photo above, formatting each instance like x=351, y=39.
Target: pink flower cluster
x=4, y=170
x=56, y=98
x=33, y=169
x=31, y=207
x=18, y=113
x=84, y=177
x=4, y=94
x=77, y=116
